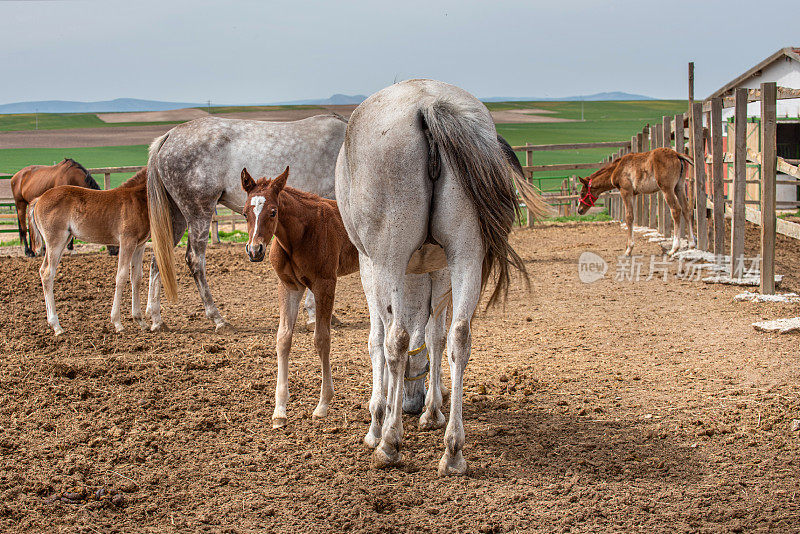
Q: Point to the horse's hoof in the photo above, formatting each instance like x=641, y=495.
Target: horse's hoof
x=371, y=440
x=142, y=324
x=431, y=420
x=158, y=327
x=225, y=328
x=381, y=458
x=320, y=412
x=58, y=331
x=311, y=325
x=278, y=422
x=119, y=328
x=335, y=321
x=30, y=254
x=449, y=466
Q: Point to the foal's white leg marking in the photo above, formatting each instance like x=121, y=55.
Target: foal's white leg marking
x=123, y=270
x=289, y=303
x=311, y=308
x=55, y=246
x=136, y=284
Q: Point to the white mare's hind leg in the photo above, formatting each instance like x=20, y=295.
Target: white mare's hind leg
x=455, y=225
x=54, y=248
x=154, y=291
x=417, y=298
x=126, y=250
x=136, y=285
x=196, y=260
x=377, y=401
x=289, y=304
x=435, y=334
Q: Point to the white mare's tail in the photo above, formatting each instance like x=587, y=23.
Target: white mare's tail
x=468, y=140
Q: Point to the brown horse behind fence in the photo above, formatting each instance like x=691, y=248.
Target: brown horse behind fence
x=660, y=169
x=115, y=217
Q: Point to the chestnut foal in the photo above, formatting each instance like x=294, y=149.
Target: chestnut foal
x=310, y=250
x=643, y=173
x=114, y=217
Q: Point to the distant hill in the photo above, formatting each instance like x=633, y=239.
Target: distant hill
x=106, y=106
x=135, y=104
x=614, y=95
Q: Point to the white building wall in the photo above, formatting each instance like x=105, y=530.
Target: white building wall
x=786, y=73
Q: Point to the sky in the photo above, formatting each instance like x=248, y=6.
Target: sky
x=250, y=52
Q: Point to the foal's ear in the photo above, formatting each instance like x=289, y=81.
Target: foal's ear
x=247, y=181
x=280, y=182
x=583, y=180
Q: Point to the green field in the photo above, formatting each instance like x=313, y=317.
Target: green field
x=13, y=159
x=602, y=121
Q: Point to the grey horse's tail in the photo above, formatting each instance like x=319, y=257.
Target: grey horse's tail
x=158, y=204
x=535, y=205
x=468, y=140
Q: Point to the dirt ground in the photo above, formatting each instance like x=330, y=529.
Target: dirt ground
x=644, y=406
x=142, y=135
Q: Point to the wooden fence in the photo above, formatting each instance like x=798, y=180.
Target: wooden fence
x=710, y=202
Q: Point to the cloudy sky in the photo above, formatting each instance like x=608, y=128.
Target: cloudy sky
x=266, y=51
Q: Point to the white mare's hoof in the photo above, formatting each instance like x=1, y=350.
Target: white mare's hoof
x=371, y=440
x=384, y=457
x=58, y=331
x=278, y=422
x=431, y=420
x=450, y=465
x=320, y=412
x=225, y=328
x=158, y=327
x=118, y=327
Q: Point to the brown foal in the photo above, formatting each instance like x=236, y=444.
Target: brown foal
x=642, y=173
x=114, y=217
x=311, y=250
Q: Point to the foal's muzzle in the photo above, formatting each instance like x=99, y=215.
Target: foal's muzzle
x=256, y=253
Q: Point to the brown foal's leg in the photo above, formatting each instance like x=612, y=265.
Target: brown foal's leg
x=123, y=269
x=324, y=292
x=675, y=208
x=289, y=304
x=136, y=284
x=627, y=198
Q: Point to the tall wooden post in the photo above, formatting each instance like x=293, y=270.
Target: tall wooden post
x=667, y=128
x=528, y=163
x=739, y=177
x=107, y=181
x=699, y=175
x=679, y=149
x=769, y=162
x=656, y=199
x=718, y=177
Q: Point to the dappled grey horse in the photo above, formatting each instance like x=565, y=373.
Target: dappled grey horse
x=421, y=163
x=198, y=164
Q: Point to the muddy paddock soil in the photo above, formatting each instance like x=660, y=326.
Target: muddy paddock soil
x=617, y=406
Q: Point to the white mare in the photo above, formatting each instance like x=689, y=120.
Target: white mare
x=421, y=162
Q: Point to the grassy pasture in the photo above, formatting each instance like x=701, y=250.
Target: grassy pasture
x=13, y=159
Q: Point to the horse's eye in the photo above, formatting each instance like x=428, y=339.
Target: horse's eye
x=273, y=212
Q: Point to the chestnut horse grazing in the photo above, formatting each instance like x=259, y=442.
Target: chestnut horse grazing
x=34, y=180
x=115, y=217
x=311, y=249
x=642, y=173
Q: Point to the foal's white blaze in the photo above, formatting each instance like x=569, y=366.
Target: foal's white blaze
x=258, y=206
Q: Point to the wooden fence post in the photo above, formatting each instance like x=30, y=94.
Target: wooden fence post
x=528, y=163
x=667, y=129
x=656, y=199
x=699, y=175
x=215, y=231
x=769, y=164
x=718, y=191
x=739, y=177
x=107, y=180
x=679, y=148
